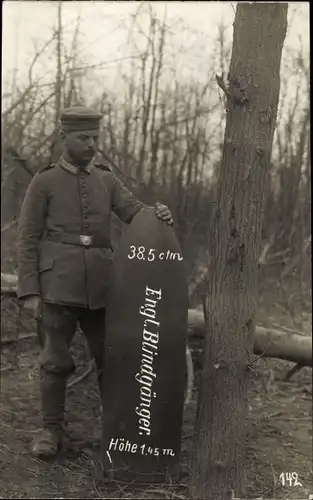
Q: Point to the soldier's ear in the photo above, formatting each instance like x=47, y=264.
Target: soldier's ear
x=62, y=135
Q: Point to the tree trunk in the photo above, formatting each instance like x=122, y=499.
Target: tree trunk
x=56, y=143
x=252, y=100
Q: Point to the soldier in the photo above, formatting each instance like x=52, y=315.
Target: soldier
x=65, y=259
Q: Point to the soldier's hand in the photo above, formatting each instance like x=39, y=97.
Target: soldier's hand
x=164, y=213
x=32, y=304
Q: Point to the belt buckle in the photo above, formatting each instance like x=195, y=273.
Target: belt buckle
x=85, y=240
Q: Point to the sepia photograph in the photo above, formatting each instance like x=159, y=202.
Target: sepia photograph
x=156, y=277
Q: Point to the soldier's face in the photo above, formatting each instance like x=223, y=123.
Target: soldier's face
x=81, y=146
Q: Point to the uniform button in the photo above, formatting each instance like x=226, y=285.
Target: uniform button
x=84, y=185
x=84, y=195
x=87, y=225
x=86, y=216
x=85, y=206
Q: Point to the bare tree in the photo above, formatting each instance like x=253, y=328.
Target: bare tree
x=252, y=101
x=58, y=81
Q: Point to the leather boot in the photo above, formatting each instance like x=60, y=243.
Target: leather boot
x=47, y=444
x=52, y=389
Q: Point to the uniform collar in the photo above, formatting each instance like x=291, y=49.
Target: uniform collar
x=72, y=169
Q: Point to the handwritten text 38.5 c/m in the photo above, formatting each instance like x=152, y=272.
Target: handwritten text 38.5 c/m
x=149, y=254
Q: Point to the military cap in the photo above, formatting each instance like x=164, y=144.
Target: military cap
x=80, y=118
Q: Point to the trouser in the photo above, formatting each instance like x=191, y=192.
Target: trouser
x=58, y=327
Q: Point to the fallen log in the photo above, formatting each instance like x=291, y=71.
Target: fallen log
x=271, y=343
x=8, y=281
x=8, y=285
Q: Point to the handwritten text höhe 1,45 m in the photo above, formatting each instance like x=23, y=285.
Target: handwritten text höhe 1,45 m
x=149, y=349
x=124, y=445
x=142, y=253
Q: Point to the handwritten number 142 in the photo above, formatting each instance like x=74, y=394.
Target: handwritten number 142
x=289, y=479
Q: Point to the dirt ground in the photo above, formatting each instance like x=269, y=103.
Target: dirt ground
x=279, y=437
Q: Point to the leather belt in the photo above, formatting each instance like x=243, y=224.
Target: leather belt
x=82, y=240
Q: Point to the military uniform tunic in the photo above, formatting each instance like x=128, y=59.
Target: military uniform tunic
x=62, y=204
